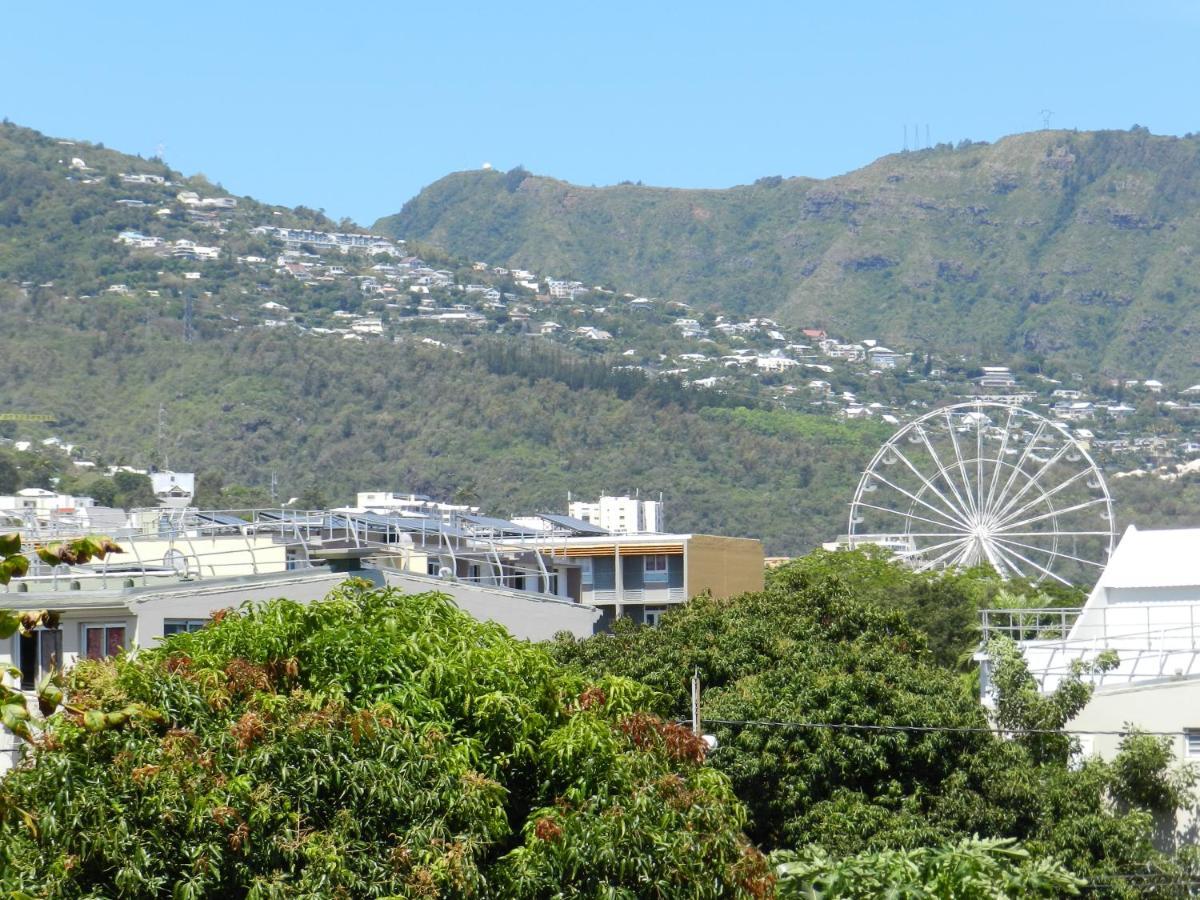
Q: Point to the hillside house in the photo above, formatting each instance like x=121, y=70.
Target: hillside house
x=883, y=358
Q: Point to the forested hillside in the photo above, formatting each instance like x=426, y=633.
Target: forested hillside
x=143, y=365
x=335, y=416
x=1076, y=245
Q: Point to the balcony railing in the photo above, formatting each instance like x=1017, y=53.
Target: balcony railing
x=1045, y=623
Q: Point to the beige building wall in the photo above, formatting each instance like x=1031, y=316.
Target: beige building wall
x=215, y=556
x=1163, y=706
x=723, y=565
x=1158, y=706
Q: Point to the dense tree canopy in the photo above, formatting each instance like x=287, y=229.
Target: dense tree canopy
x=369, y=745
x=808, y=650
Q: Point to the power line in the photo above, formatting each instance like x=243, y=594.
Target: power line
x=959, y=729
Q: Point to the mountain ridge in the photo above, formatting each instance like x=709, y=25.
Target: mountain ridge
x=1080, y=244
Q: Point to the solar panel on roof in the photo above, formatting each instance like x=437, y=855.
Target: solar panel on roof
x=221, y=519
x=502, y=525
x=414, y=525
x=577, y=525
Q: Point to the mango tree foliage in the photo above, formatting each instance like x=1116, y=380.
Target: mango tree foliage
x=15, y=714
x=369, y=745
x=971, y=869
x=944, y=605
x=912, y=760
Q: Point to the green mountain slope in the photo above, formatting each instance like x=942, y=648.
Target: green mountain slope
x=493, y=416
x=333, y=415
x=1081, y=245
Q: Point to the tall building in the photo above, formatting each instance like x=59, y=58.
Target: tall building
x=620, y=515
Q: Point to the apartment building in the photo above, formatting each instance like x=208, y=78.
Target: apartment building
x=620, y=515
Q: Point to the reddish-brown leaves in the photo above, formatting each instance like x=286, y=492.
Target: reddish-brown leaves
x=144, y=774
x=248, y=730
x=593, y=696
x=646, y=730
x=244, y=677
x=548, y=830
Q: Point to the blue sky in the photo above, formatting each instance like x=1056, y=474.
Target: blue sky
x=354, y=106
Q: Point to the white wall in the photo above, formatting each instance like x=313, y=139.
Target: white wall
x=529, y=616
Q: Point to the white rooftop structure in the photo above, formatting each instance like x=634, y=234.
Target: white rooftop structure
x=1145, y=606
x=620, y=515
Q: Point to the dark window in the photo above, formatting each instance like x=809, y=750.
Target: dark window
x=40, y=653
x=29, y=661
x=175, y=626
x=656, y=568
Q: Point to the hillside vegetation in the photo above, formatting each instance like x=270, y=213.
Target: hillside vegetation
x=339, y=417
x=500, y=420
x=1080, y=245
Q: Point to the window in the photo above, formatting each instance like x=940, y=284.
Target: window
x=653, y=615
x=100, y=641
x=1082, y=748
x=1191, y=742
x=39, y=653
x=175, y=626
x=433, y=566
x=656, y=567
x=585, y=572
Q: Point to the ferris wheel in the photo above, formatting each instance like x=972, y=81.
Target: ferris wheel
x=987, y=483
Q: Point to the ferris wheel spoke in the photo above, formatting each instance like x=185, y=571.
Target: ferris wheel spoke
x=921, y=551
x=950, y=519
x=955, y=510
x=1039, y=567
x=1020, y=466
x=907, y=515
x=962, y=467
x=953, y=551
x=1053, y=513
x=937, y=461
x=964, y=555
x=979, y=459
x=1036, y=478
x=1006, y=516
x=1052, y=533
x=1052, y=553
x=1010, y=563
x=999, y=459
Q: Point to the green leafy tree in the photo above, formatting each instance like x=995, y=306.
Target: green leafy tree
x=971, y=869
x=133, y=490
x=839, y=728
x=369, y=745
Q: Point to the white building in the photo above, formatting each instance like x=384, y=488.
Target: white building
x=410, y=505
x=1146, y=608
x=996, y=376
x=883, y=358
x=367, y=326
x=774, y=363
x=43, y=503
x=620, y=515
x=174, y=489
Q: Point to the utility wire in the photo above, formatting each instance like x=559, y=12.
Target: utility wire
x=959, y=729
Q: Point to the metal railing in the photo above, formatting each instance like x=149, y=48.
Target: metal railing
x=1113, y=626
x=1044, y=623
